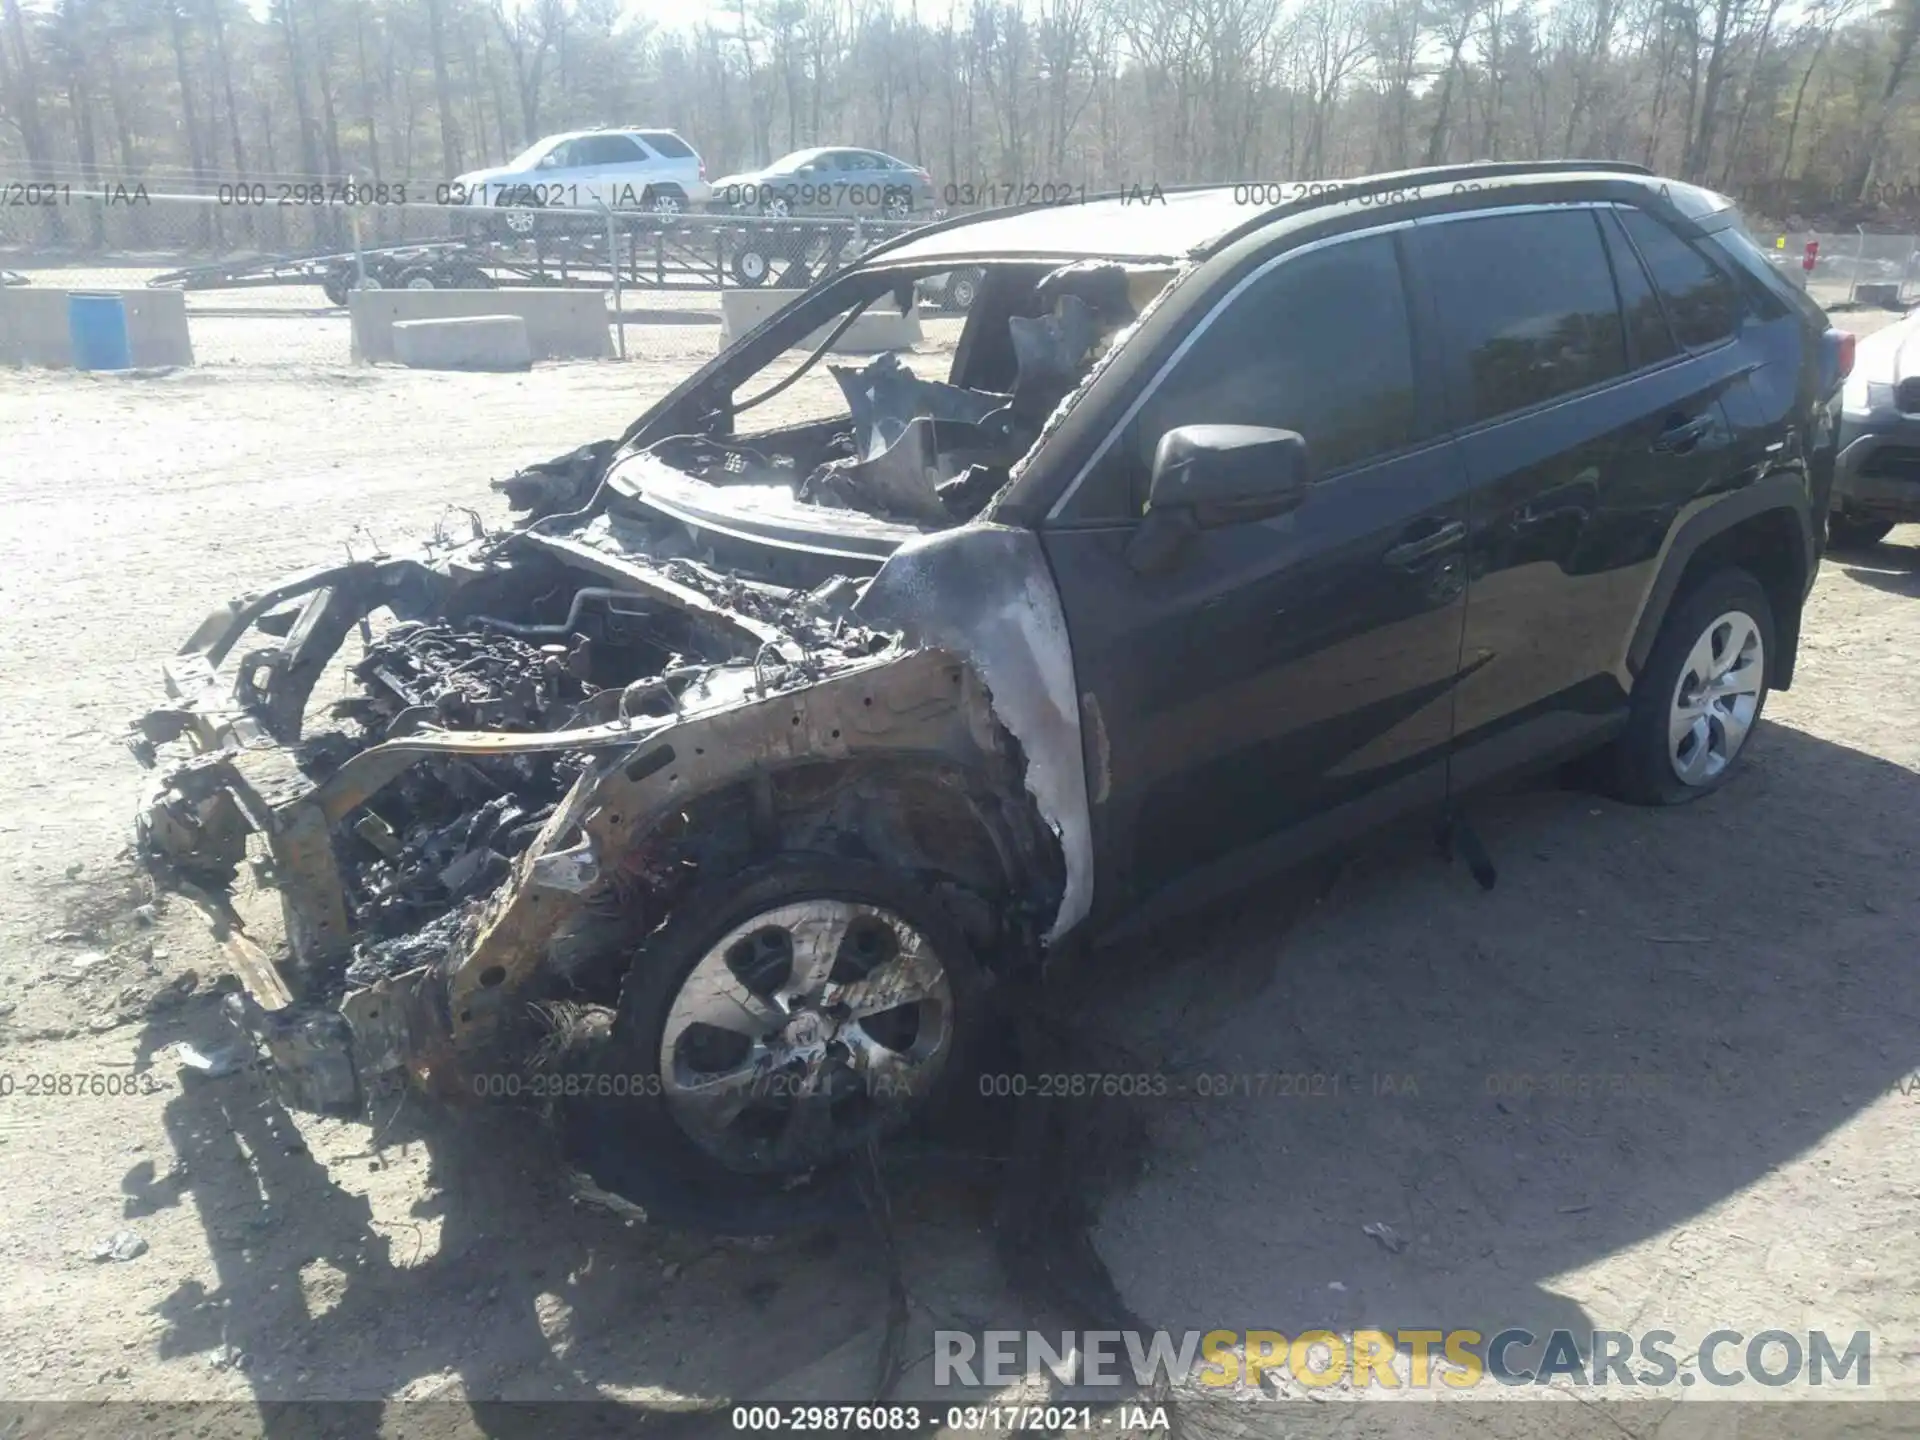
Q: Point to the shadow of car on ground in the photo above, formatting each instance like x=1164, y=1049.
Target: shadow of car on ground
x=1650, y=1012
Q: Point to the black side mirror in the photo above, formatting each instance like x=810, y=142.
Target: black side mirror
x=1205, y=476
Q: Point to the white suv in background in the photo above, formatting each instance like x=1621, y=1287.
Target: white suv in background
x=653, y=170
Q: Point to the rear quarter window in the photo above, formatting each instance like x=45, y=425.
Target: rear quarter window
x=671, y=146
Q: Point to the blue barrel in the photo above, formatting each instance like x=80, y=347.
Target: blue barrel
x=98, y=327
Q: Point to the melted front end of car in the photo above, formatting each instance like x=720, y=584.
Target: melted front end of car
x=804, y=655
x=526, y=769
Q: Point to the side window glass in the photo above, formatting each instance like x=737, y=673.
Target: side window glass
x=1702, y=301
x=1320, y=344
x=1647, y=330
x=1528, y=301
x=663, y=143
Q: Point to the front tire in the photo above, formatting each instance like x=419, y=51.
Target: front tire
x=1700, y=694
x=779, y=1020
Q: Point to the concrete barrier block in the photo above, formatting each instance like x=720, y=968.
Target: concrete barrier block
x=881, y=328
x=1884, y=293
x=742, y=310
x=33, y=326
x=561, y=324
x=464, y=342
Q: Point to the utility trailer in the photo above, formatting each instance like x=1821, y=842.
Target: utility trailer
x=574, y=248
x=445, y=265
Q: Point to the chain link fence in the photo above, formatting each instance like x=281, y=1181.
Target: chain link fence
x=1860, y=267
x=47, y=222
x=338, y=234
x=236, y=237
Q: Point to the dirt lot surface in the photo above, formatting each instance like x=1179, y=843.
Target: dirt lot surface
x=1662, y=1077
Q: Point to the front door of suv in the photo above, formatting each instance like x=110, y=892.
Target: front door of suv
x=1585, y=429
x=1289, y=682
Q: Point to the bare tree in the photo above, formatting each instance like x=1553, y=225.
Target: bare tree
x=1816, y=35
x=20, y=92
x=1455, y=20
x=1906, y=32
x=1333, y=38
x=450, y=150
x=1396, y=29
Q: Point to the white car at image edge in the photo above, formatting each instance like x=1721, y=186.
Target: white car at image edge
x=653, y=170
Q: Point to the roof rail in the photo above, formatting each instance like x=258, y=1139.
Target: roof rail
x=1338, y=192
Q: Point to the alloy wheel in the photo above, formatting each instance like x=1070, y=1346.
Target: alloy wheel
x=804, y=1031
x=1716, y=698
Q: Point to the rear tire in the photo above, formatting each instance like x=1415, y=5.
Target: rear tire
x=669, y=202
x=1699, y=697
x=1848, y=531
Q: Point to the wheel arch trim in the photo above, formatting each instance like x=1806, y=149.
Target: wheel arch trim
x=1779, y=492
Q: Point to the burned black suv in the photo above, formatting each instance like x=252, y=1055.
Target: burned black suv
x=762, y=755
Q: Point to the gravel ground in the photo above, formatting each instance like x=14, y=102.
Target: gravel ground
x=1742, y=967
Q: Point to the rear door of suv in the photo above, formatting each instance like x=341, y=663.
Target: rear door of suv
x=1585, y=427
